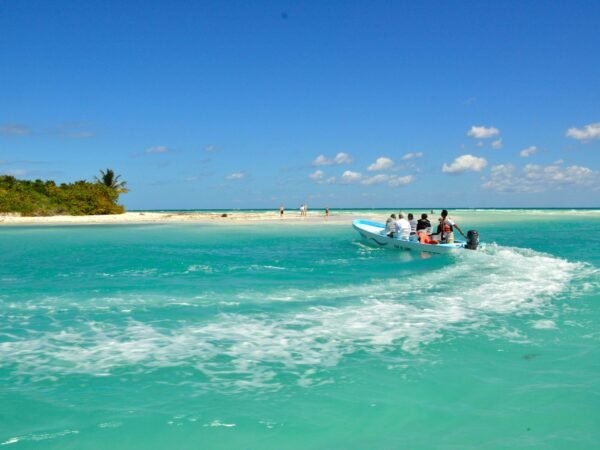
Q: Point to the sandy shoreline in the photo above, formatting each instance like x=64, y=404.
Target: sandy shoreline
x=316, y=217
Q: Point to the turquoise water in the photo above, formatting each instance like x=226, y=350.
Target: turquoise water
x=300, y=336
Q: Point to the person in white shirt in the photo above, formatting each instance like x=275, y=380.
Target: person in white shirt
x=413, y=227
x=402, y=228
x=390, y=226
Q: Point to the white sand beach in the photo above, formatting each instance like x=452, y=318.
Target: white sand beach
x=316, y=217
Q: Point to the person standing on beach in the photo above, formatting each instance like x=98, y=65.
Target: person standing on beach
x=281, y=211
x=302, y=210
x=326, y=212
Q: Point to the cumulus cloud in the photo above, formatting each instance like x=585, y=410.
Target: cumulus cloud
x=482, y=132
x=375, y=179
x=535, y=178
x=350, y=177
x=585, y=134
x=156, y=150
x=401, y=181
x=317, y=175
x=340, y=158
x=381, y=163
x=235, y=176
x=14, y=129
x=412, y=155
x=465, y=163
x=497, y=144
x=527, y=152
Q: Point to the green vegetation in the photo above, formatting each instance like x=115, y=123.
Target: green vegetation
x=45, y=198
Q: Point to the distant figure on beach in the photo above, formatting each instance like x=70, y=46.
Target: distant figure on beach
x=326, y=212
x=447, y=226
x=281, y=211
x=390, y=225
x=302, y=210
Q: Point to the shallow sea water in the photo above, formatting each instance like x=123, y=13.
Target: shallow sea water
x=300, y=336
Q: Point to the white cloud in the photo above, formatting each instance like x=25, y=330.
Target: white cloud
x=321, y=160
x=527, y=152
x=412, y=155
x=235, y=176
x=375, y=179
x=350, y=177
x=317, y=175
x=401, y=181
x=482, y=132
x=340, y=158
x=465, y=163
x=497, y=144
x=381, y=163
x=479, y=144
x=585, y=134
x=156, y=150
x=538, y=178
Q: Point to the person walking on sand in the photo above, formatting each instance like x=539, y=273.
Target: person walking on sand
x=281, y=211
x=302, y=210
x=326, y=212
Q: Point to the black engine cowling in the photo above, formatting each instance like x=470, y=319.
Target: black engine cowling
x=472, y=240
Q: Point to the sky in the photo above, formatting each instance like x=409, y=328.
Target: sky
x=339, y=104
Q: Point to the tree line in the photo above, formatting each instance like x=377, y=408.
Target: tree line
x=46, y=198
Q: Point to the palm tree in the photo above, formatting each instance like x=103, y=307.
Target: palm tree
x=108, y=178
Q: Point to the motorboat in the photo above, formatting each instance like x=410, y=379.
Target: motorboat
x=375, y=232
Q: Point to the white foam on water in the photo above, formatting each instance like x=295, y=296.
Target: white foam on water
x=218, y=423
x=544, y=324
x=39, y=437
x=253, y=351
x=200, y=268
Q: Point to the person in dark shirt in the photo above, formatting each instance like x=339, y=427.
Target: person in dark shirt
x=423, y=223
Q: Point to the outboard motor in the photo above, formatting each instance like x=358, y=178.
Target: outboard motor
x=472, y=240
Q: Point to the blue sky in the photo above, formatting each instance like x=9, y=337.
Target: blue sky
x=342, y=104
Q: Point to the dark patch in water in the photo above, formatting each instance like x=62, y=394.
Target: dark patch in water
x=530, y=356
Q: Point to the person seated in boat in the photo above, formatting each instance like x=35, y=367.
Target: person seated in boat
x=423, y=224
x=425, y=238
x=413, y=227
x=390, y=226
x=447, y=228
x=402, y=230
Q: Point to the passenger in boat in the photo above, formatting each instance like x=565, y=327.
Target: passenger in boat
x=390, y=226
x=402, y=228
x=447, y=228
x=425, y=238
x=423, y=224
x=413, y=227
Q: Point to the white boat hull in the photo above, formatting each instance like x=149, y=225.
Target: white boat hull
x=374, y=232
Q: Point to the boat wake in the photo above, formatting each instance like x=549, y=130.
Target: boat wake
x=481, y=293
